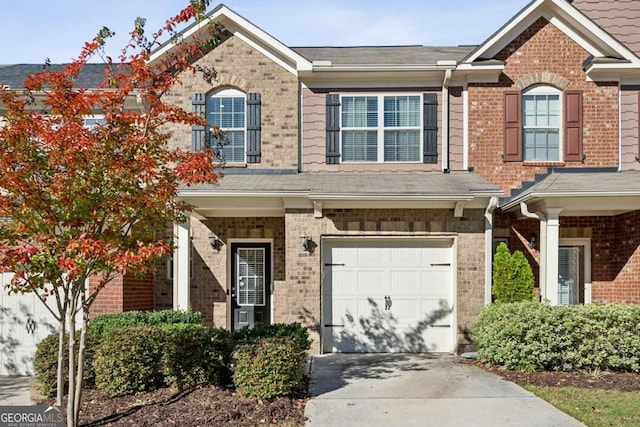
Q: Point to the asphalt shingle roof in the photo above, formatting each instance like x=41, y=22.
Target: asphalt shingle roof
x=384, y=55
x=590, y=182
x=15, y=75
x=414, y=184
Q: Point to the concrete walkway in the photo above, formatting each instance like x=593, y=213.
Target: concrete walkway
x=15, y=391
x=419, y=390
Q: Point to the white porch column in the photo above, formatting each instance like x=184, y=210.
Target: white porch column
x=181, y=264
x=551, y=254
x=488, y=248
x=542, y=273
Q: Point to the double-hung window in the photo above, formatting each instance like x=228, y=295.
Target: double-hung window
x=381, y=128
x=541, y=124
x=226, y=110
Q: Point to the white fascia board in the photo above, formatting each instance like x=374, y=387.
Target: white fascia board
x=375, y=68
x=539, y=196
x=248, y=33
x=216, y=194
x=390, y=197
x=566, y=18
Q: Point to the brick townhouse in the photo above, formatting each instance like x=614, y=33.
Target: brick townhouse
x=365, y=188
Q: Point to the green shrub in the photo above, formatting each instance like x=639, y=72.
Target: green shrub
x=297, y=333
x=512, y=276
x=268, y=367
x=532, y=336
x=102, y=325
x=129, y=360
x=197, y=355
x=46, y=363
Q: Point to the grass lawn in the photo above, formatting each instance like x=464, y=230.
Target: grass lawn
x=594, y=407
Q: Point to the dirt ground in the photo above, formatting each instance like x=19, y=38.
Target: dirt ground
x=623, y=381
x=208, y=406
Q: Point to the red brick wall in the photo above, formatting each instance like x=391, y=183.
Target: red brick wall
x=615, y=251
x=124, y=293
x=542, y=48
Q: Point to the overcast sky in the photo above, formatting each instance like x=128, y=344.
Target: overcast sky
x=33, y=30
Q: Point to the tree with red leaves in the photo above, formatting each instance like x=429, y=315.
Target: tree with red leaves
x=92, y=202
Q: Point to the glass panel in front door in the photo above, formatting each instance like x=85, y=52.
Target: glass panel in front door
x=250, y=278
x=571, y=275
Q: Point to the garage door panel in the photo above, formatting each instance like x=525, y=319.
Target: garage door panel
x=436, y=283
x=405, y=282
x=415, y=275
x=371, y=282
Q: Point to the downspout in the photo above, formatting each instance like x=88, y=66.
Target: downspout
x=300, y=136
x=488, y=248
x=542, y=276
x=445, y=120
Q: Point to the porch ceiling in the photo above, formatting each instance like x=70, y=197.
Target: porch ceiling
x=582, y=194
x=264, y=194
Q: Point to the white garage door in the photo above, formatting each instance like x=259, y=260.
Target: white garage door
x=388, y=295
x=24, y=322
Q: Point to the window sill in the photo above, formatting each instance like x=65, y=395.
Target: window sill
x=234, y=166
x=543, y=164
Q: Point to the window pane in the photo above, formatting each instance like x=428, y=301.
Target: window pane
x=402, y=146
x=541, y=121
x=359, y=146
x=401, y=111
x=250, y=268
x=359, y=111
x=233, y=151
x=226, y=112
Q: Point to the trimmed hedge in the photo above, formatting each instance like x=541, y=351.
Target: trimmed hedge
x=46, y=363
x=269, y=367
x=104, y=324
x=129, y=360
x=531, y=336
x=297, y=333
x=197, y=356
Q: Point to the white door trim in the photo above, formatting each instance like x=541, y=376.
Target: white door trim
x=586, y=243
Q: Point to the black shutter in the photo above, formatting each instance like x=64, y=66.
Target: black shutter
x=430, y=128
x=198, y=101
x=253, y=128
x=333, y=128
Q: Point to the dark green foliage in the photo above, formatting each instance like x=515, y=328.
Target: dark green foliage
x=129, y=360
x=102, y=325
x=46, y=363
x=297, y=333
x=512, y=276
x=269, y=367
x=197, y=356
x=532, y=336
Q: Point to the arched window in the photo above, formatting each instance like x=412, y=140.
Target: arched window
x=226, y=109
x=541, y=122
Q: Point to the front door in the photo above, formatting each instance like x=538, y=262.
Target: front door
x=571, y=272
x=251, y=284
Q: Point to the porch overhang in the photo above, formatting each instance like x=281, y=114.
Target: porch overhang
x=271, y=195
x=581, y=194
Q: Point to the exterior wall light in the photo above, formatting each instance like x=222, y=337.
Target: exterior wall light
x=215, y=242
x=305, y=241
x=532, y=241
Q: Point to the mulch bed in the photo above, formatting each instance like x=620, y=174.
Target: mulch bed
x=207, y=406
x=623, y=381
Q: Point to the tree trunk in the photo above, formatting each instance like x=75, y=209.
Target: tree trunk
x=80, y=374
x=61, y=350
x=71, y=410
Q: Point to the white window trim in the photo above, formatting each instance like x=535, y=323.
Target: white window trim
x=545, y=90
x=381, y=128
x=91, y=117
x=233, y=93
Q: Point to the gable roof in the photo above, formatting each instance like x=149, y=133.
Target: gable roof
x=248, y=32
x=600, y=44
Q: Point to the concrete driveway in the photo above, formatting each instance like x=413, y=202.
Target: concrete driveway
x=419, y=390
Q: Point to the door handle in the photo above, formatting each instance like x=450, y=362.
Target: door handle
x=390, y=303
x=387, y=302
